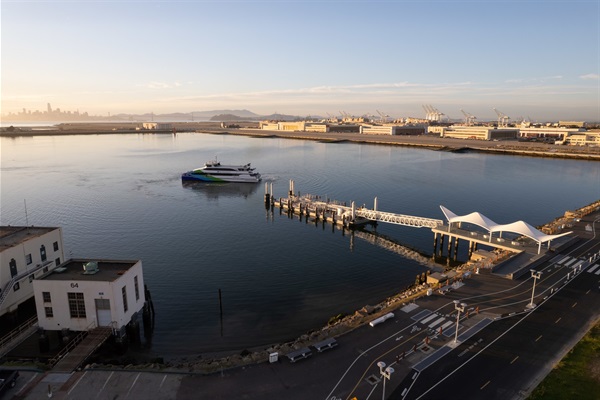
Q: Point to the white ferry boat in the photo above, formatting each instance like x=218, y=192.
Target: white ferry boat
x=214, y=171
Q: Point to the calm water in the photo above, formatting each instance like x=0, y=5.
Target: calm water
x=120, y=196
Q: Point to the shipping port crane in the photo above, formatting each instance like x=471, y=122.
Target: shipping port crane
x=469, y=118
x=502, y=118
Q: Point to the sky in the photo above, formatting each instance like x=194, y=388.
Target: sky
x=532, y=59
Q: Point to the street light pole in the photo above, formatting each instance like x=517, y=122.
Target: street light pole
x=386, y=373
x=535, y=275
x=459, y=307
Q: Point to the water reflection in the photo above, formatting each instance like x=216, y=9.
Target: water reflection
x=214, y=190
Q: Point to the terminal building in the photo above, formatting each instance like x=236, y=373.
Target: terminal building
x=26, y=253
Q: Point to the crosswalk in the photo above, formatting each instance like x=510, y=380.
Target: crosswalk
x=575, y=263
x=434, y=321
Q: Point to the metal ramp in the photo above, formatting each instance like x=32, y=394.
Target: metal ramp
x=80, y=349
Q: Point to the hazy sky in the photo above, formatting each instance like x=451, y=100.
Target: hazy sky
x=530, y=58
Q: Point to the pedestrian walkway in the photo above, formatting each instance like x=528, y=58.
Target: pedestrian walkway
x=82, y=350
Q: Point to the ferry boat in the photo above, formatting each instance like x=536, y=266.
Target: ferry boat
x=214, y=171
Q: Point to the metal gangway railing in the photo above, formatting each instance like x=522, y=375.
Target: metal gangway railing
x=18, y=335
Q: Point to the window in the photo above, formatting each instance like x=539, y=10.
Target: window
x=13, y=267
x=45, y=269
x=137, y=288
x=55, y=245
x=46, y=297
x=49, y=312
x=16, y=286
x=28, y=259
x=57, y=262
x=76, y=305
x=124, y=292
x=31, y=278
x=43, y=253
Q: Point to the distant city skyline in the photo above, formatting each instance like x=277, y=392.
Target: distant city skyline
x=530, y=59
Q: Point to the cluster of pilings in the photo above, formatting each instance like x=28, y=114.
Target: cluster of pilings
x=314, y=207
x=452, y=248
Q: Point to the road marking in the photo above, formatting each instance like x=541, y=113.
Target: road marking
x=593, y=268
x=570, y=262
x=133, y=384
x=563, y=260
x=539, y=337
x=103, y=386
x=574, y=304
x=399, y=338
x=76, y=383
x=556, y=322
x=163, y=381
x=27, y=383
x=426, y=320
x=588, y=291
x=514, y=359
x=437, y=322
x=484, y=385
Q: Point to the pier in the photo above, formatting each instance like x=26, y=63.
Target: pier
x=340, y=213
x=468, y=228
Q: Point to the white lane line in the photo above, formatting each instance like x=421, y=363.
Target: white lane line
x=105, y=383
x=163, y=381
x=593, y=268
x=514, y=359
x=76, y=383
x=133, y=384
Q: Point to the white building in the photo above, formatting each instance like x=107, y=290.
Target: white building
x=82, y=294
x=556, y=133
x=583, y=139
x=157, y=126
x=475, y=132
x=26, y=253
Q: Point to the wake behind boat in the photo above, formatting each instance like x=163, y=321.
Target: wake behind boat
x=214, y=171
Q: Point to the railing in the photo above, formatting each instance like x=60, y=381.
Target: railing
x=7, y=288
x=12, y=338
x=72, y=344
x=399, y=219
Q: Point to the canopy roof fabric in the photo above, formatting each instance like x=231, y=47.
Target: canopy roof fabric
x=520, y=227
x=475, y=218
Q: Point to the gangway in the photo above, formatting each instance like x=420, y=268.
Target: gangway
x=80, y=349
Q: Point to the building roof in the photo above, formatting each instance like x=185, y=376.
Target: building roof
x=520, y=227
x=11, y=236
x=73, y=270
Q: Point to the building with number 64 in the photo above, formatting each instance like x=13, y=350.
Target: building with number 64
x=82, y=294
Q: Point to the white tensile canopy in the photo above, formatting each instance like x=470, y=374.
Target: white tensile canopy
x=519, y=227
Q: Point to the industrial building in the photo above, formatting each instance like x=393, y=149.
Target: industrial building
x=157, y=126
x=474, y=132
x=26, y=253
x=551, y=132
x=583, y=139
x=392, y=129
x=83, y=294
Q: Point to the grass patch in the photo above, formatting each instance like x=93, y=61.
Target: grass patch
x=577, y=375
